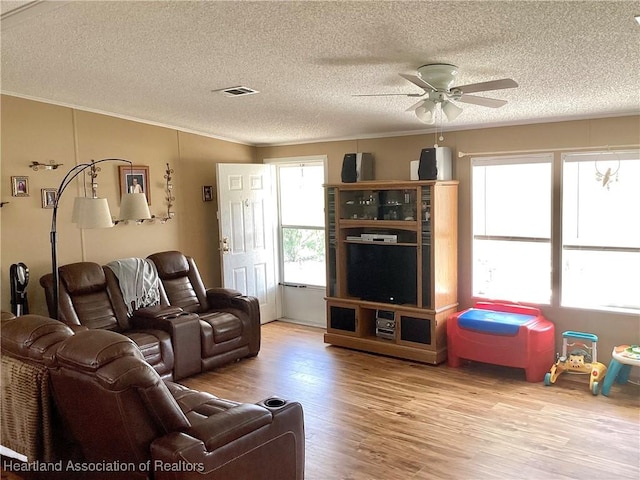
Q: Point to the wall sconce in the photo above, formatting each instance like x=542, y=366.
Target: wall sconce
x=93, y=174
x=168, y=197
x=45, y=166
x=168, y=192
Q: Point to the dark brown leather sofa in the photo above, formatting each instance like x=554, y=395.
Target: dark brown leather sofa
x=87, y=299
x=229, y=321
x=192, y=330
x=122, y=416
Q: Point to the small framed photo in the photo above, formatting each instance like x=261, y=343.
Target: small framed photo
x=207, y=193
x=49, y=197
x=135, y=179
x=20, y=186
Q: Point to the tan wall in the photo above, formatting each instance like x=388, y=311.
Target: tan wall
x=41, y=132
x=199, y=238
x=34, y=131
x=394, y=154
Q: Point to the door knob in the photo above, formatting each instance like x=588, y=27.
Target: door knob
x=224, y=245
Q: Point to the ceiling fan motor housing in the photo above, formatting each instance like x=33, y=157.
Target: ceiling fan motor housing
x=439, y=75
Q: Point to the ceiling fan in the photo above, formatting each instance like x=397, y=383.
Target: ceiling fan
x=436, y=80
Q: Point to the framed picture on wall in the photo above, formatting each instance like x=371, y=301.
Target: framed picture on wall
x=49, y=197
x=20, y=186
x=135, y=179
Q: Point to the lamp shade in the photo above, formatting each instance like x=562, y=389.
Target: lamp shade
x=91, y=213
x=134, y=207
x=451, y=111
x=425, y=112
x=77, y=208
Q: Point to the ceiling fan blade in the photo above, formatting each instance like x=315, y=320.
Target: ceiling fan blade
x=414, y=106
x=486, y=86
x=387, y=94
x=483, y=101
x=417, y=81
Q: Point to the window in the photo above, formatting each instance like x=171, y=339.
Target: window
x=512, y=228
x=302, y=223
x=601, y=230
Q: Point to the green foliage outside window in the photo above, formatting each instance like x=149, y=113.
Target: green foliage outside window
x=302, y=244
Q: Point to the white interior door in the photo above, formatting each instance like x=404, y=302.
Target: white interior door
x=246, y=206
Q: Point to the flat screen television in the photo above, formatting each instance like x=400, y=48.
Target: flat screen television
x=382, y=273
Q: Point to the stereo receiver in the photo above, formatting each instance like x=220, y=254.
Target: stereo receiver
x=385, y=324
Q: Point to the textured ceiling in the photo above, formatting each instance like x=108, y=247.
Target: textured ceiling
x=159, y=62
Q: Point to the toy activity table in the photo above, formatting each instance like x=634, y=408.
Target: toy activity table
x=623, y=358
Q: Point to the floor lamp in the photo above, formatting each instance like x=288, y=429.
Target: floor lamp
x=91, y=212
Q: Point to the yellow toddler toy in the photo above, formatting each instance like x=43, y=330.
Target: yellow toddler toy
x=578, y=357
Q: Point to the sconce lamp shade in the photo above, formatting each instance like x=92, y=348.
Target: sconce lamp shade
x=77, y=208
x=451, y=111
x=134, y=207
x=91, y=213
x=425, y=112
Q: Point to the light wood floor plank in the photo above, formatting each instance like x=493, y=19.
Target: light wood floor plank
x=370, y=417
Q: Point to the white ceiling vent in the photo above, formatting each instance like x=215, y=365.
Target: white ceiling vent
x=237, y=91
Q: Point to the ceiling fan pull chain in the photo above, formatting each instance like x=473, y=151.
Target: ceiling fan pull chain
x=438, y=117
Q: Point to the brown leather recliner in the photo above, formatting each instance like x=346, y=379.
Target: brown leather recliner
x=30, y=424
x=165, y=430
x=86, y=299
x=125, y=422
x=229, y=321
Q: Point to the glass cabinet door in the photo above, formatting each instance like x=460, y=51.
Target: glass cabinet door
x=398, y=205
x=395, y=205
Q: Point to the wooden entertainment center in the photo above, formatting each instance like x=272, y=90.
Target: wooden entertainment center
x=392, y=266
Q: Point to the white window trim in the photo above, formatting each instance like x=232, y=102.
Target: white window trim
x=576, y=156
x=285, y=161
x=520, y=159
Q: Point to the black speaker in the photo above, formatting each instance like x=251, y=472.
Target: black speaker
x=357, y=167
x=349, y=173
x=434, y=164
x=428, y=167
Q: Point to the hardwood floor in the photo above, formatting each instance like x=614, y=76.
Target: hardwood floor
x=374, y=417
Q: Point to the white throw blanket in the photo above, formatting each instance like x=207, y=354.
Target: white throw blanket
x=139, y=282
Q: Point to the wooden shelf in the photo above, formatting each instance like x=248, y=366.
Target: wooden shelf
x=417, y=330
x=397, y=224
x=387, y=347
x=390, y=244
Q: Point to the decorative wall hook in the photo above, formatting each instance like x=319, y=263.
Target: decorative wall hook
x=152, y=219
x=45, y=166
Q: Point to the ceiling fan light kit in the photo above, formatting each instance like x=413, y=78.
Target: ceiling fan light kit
x=436, y=80
x=426, y=112
x=451, y=110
